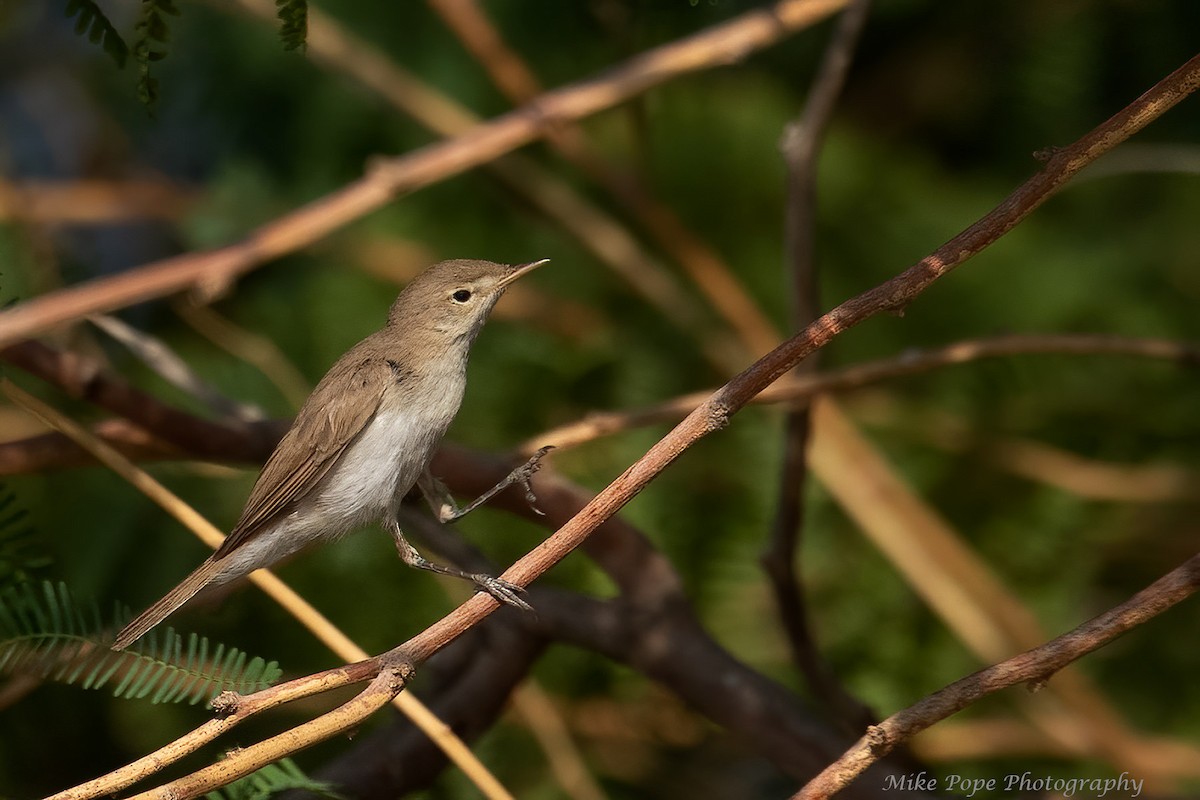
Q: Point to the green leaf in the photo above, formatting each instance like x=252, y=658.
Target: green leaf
x=90, y=19
x=44, y=632
x=21, y=551
x=151, y=37
x=293, y=23
x=281, y=776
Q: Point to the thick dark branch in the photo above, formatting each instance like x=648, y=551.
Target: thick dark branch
x=86, y=379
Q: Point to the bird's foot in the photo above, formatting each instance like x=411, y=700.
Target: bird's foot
x=524, y=473
x=503, y=591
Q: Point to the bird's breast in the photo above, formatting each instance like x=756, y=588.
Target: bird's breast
x=386, y=458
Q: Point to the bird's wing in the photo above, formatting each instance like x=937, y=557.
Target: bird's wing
x=334, y=414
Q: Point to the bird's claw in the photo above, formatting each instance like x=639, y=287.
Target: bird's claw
x=525, y=473
x=503, y=591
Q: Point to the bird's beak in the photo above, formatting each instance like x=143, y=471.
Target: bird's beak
x=519, y=270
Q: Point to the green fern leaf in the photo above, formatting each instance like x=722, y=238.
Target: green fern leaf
x=151, y=35
x=44, y=632
x=293, y=23
x=282, y=776
x=21, y=554
x=90, y=20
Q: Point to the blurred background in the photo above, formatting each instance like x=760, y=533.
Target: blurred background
x=1073, y=478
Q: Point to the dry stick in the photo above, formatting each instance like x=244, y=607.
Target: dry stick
x=346, y=717
x=93, y=201
x=276, y=589
x=388, y=178
x=172, y=368
x=707, y=269
x=1034, y=666
x=802, y=140
x=801, y=389
x=964, y=592
x=253, y=348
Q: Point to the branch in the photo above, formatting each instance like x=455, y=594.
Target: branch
x=913, y=362
x=801, y=147
x=382, y=689
x=388, y=178
x=53, y=451
x=1034, y=666
x=85, y=378
x=93, y=201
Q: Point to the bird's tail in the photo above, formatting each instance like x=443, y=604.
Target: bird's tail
x=166, y=606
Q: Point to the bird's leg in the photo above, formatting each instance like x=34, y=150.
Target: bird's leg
x=503, y=591
x=442, y=503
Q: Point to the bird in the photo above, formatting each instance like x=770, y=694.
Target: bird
x=365, y=437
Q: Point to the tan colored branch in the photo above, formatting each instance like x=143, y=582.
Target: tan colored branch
x=92, y=201
x=385, y=686
x=801, y=389
x=1035, y=667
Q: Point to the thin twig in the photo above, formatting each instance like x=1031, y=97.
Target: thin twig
x=1035, y=667
x=801, y=146
x=154, y=353
x=93, y=201
x=799, y=390
x=85, y=378
x=382, y=690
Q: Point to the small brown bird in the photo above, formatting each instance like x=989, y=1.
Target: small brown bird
x=365, y=436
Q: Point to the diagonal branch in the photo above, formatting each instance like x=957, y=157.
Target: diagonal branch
x=1034, y=666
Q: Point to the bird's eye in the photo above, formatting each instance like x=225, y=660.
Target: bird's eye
x=461, y=296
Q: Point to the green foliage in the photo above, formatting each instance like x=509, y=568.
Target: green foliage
x=44, y=632
x=293, y=22
x=21, y=554
x=282, y=776
x=151, y=37
x=92, y=21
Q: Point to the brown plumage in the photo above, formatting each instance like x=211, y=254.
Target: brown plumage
x=364, y=436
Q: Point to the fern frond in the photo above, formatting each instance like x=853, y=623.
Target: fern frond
x=21, y=554
x=90, y=19
x=281, y=776
x=44, y=632
x=151, y=36
x=293, y=23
